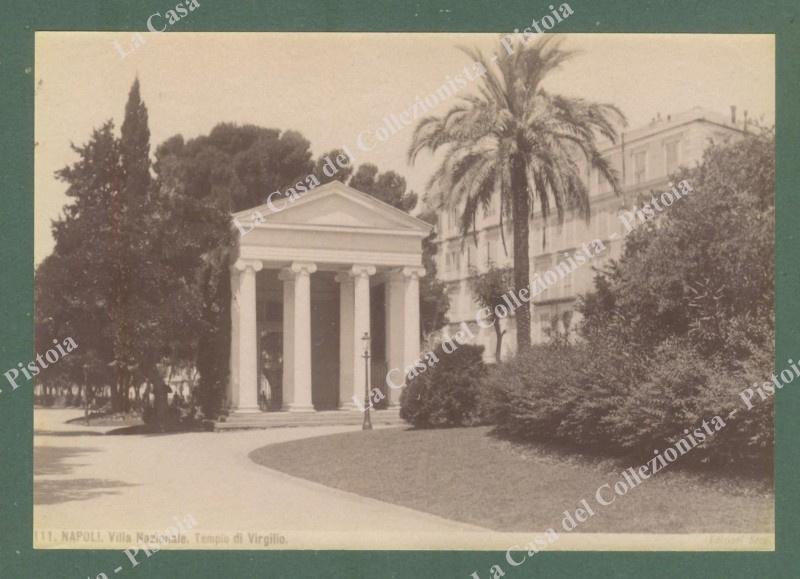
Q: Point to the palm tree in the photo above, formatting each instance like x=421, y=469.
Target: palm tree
x=515, y=138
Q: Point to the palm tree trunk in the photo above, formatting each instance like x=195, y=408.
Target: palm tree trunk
x=521, y=221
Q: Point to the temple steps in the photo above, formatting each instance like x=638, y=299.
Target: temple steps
x=260, y=420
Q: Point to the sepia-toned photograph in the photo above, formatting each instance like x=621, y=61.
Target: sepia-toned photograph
x=507, y=292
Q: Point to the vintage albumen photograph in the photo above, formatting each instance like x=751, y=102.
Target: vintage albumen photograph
x=504, y=292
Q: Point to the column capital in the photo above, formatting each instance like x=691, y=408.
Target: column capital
x=362, y=270
x=417, y=272
x=302, y=267
x=243, y=264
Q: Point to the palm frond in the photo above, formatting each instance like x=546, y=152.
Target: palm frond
x=509, y=117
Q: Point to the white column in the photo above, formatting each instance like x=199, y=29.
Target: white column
x=287, y=390
x=346, y=341
x=233, y=382
x=360, y=275
x=301, y=338
x=395, y=334
x=248, y=338
x=411, y=349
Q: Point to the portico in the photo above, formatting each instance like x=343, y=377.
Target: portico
x=312, y=279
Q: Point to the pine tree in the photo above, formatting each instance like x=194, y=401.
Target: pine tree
x=123, y=275
x=73, y=293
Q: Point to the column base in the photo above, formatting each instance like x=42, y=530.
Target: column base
x=349, y=405
x=298, y=408
x=246, y=410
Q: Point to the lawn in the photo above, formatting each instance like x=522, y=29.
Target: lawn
x=467, y=475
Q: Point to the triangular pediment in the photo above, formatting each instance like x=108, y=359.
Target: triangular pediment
x=333, y=205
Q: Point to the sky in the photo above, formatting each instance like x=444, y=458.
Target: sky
x=332, y=87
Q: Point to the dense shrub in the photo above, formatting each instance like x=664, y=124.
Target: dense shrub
x=705, y=272
x=554, y=393
x=594, y=399
x=674, y=331
x=446, y=392
x=682, y=389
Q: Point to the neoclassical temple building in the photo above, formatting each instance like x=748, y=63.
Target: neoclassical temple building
x=308, y=282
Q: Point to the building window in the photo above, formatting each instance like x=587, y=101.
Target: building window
x=453, y=294
x=491, y=251
x=566, y=284
x=640, y=167
x=543, y=327
x=470, y=257
x=454, y=219
x=541, y=264
x=456, y=258
x=451, y=264
x=488, y=210
x=671, y=161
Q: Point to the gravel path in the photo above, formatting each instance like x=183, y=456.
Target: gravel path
x=86, y=481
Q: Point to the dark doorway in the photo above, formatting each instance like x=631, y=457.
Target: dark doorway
x=324, y=341
x=270, y=371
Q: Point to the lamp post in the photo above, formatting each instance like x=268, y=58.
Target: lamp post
x=85, y=396
x=367, y=424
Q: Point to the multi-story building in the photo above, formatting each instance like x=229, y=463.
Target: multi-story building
x=644, y=157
